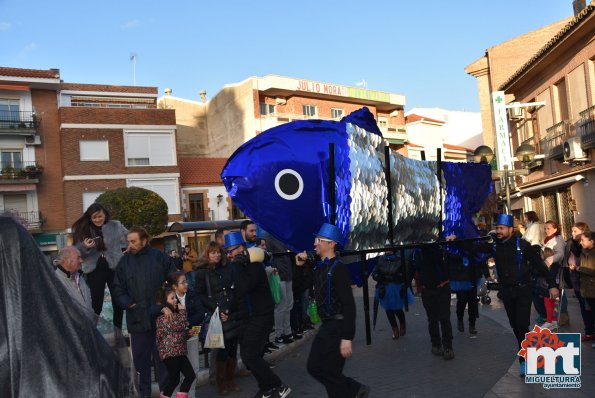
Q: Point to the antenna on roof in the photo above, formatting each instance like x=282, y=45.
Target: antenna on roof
x=133, y=59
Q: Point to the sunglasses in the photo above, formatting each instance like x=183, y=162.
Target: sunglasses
x=231, y=250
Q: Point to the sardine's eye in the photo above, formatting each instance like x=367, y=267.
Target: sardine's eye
x=289, y=184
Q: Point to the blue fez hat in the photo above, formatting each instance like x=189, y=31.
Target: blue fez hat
x=505, y=219
x=331, y=232
x=233, y=239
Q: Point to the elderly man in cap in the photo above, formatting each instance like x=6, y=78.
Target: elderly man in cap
x=255, y=306
x=515, y=260
x=68, y=270
x=336, y=306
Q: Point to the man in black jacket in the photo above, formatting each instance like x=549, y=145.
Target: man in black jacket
x=515, y=260
x=435, y=296
x=336, y=307
x=255, y=306
x=139, y=274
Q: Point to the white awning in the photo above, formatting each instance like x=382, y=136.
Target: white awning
x=552, y=184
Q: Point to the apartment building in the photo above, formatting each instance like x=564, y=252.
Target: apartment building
x=215, y=128
x=63, y=144
x=560, y=75
x=113, y=137
x=28, y=175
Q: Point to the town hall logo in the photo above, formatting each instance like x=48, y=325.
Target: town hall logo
x=552, y=359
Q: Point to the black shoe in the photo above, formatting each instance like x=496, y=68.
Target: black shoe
x=282, y=391
x=460, y=325
x=472, y=329
x=363, y=391
x=297, y=336
x=287, y=339
x=266, y=394
x=437, y=350
x=271, y=346
x=308, y=326
x=448, y=353
x=271, y=365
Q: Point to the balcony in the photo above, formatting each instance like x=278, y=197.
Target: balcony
x=31, y=220
x=20, y=172
x=19, y=123
x=586, y=128
x=555, y=137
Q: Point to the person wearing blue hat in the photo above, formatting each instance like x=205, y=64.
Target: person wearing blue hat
x=515, y=261
x=256, y=309
x=336, y=306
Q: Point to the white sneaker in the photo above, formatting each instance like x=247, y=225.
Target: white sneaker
x=550, y=325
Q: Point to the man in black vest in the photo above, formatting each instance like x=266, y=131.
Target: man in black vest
x=515, y=260
x=336, y=307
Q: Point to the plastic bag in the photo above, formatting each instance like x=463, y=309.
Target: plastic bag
x=313, y=312
x=275, y=285
x=214, y=337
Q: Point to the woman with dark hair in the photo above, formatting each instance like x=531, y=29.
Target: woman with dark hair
x=214, y=285
x=553, y=241
x=573, y=260
x=533, y=233
x=100, y=241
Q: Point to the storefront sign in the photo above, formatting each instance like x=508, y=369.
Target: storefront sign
x=343, y=91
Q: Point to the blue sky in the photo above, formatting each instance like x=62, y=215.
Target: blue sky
x=415, y=48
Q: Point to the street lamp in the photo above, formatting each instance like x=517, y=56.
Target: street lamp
x=525, y=153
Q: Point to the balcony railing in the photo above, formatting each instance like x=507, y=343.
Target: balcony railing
x=586, y=128
x=20, y=170
x=19, y=122
x=31, y=220
x=555, y=137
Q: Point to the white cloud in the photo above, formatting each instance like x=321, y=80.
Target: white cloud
x=27, y=49
x=135, y=23
x=5, y=26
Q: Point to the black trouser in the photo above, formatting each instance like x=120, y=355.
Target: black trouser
x=586, y=313
x=326, y=363
x=467, y=298
x=96, y=280
x=254, y=335
x=143, y=345
x=229, y=352
x=392, y=316
x=174, y=366
x=517, y=302
x=437, y=304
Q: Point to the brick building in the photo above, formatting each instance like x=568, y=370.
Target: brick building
x=217, y=127
x=89, y=138
x=553, y=65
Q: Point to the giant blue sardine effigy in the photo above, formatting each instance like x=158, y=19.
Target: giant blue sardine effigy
x=280, y=180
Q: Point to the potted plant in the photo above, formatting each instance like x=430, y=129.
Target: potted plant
x=8, y=172
x=33, y=171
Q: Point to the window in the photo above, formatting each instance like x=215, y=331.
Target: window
x=13, y=159
x=149, y=149
x=561, y=101
x=309, y=110
x=336, y=113
x=266, y=109
x=89, y=198
x=9, y=111
x=167, y=188
x=196, y=207
x=94, y=150
x=236, y=213
x=382, y=121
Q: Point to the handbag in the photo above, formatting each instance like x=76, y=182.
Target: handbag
x=275, y=285
x=214, y=338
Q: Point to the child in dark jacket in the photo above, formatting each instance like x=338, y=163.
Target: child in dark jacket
x=171, y=344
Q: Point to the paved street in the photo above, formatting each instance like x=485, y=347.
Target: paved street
x=484, y=366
